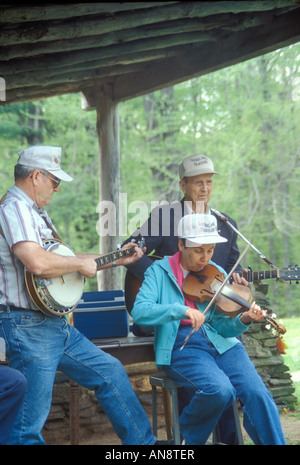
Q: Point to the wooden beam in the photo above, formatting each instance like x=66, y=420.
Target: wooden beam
x=232, y=22
x=13, y=14
x=38, y=93
x=92, y=70
x=68, y=85
x=47, y=31
x=82, y=81
x=109, y=171
x=57, y=62
x=116, y=38
x=150, y=70
x=68, y=67
x=235, y=48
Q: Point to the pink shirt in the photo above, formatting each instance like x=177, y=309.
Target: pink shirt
x=179, y=275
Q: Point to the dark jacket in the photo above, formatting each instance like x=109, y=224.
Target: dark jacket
x=160, y=234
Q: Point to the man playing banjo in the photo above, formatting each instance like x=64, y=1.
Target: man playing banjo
x=38, y=343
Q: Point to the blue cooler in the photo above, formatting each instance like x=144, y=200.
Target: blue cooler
x=102, y=315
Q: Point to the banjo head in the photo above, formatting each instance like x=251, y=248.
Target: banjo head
x=66, y=290
x=59, y=295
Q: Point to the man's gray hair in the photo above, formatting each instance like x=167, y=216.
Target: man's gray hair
x=22, y=172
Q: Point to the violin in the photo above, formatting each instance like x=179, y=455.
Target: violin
x=233, y=299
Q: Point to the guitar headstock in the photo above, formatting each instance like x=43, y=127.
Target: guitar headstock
x=140, y=241
x=290, y=273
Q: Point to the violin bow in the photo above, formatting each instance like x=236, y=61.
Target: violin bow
x=223, y=218
x=216, y=295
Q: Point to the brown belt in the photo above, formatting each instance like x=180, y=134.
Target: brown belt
x=13, y=307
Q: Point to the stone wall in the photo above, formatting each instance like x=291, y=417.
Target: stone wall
x=92, y=419
x=261, y=347
x=260, y=344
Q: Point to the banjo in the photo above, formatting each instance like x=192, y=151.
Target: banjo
x=61, y=295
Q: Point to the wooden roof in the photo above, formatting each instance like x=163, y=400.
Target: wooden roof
x=137, y=47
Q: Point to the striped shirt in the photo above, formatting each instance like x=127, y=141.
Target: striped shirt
x=20, y=220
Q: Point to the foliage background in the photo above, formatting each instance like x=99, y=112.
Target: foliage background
x=245, y=117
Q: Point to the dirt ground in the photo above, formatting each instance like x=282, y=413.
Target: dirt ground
x=290, y=421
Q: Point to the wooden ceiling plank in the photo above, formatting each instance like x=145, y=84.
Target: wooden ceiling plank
x=226, y=21
x=114, y=38
x=236, y=48
x=181, y=63
x=20, y=95
x=48, y=76
x=48, y=31
x=105, y=55
x=13, y=14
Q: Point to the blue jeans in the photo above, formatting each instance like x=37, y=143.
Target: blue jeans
x=217, y=380
x=37, y=346
x=12, y=389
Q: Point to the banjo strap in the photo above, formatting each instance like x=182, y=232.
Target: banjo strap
x=1, y=201
x=55, y=235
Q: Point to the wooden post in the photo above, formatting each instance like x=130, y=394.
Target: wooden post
x=109, y=176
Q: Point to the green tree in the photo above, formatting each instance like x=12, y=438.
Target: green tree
x=244, y=117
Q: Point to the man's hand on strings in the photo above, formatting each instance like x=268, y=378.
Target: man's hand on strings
x=238, y=279
x=138, y=253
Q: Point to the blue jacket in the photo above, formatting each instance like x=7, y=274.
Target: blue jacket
x=160, y=303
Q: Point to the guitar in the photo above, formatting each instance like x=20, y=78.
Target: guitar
x=61, y=295
x=286, y=274
x=133, y=284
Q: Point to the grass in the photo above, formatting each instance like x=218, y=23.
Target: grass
x=292, y=356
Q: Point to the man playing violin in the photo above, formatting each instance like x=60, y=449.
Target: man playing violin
x=213, y=364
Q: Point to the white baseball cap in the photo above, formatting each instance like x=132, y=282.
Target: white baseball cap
x=44, y=157
x=199, y=229
x=196, y=164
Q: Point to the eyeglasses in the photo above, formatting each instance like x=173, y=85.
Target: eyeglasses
x=56, y=182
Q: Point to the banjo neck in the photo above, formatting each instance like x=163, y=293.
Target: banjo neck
x=120, y=253
x=60, y=295
x=112, y=256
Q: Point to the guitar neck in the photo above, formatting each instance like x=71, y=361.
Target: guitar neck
x=112, y=256
x=252, y=276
